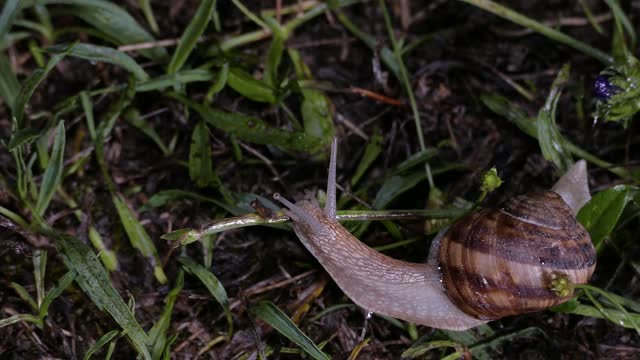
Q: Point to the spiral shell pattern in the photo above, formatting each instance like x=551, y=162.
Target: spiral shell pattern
x=500, y=262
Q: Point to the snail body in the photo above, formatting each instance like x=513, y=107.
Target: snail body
x=472, y=276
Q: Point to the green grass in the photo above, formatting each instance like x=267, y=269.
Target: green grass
x=237, y=109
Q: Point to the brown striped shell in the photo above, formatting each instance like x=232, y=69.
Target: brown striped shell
x=499, y=262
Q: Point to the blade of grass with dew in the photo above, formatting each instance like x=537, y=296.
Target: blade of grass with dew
x=9, y=85
x=200, y=163
x=538, y=27
x=191, y=34
x=252, y=129
x=32, y=82
x=316, y=109
x=102, y=341
x=212, y=284
x=95, y=282
x=53, y=173
x=113, y=21
x=139, y=237
x=104, y=54
x=600, y=215
x=145, y=6
x=371, y=153
x=249, y=87
x=273, y=316
x=551, y=142
x=158, y=333
x=183, y=77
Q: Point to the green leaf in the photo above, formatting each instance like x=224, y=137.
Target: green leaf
x=551, y=142
x=256, y=90
x=63, y=283
x=371, y=152
x=274, y=55
x=179, y=78
x=273, y=316
x=158, y=333
x=24, y=295
x=200, y=164
x=53, y=174
x=138, y=236
x=145, y=5
x=104, y=54
x=253, y=129
x=219, y=82
x=95, y=282
x=113, y=21
x=189, y=38
x=316, y=108
x=10, y=10
x=9, y=85
x=212, y=284
x=600, y=215
x=104, y=339
x=18, y=318
x=23, y=136
x=395, y=186
x=31, y=83
x=164, y=197
x=134, y=118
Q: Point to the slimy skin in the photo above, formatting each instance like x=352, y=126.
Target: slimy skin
x=379, y=283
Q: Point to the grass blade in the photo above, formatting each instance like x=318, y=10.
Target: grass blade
x=273, y=316
x=191, y=35
x=104, y=339
x=9, y=11
x=371, y=153
x=9, y=85
x=113, y=21
x=53, y=174
x=551, y=141
x=200, y=164
x=253, y=129
x=31, y=83
x=104, y=54
x=316, y=107
x=17, y=318
x=212, y=284
x=145, y=5
x=95, y=282
x=247, y=86
x=138, y=236
x=24, y=295
x=63, y=283
x=158, y=333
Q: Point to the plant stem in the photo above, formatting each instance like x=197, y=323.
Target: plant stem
x=552, y=34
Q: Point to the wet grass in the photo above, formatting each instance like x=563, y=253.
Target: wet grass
x=141, y=143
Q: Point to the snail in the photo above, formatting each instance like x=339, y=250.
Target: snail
x=489, y=264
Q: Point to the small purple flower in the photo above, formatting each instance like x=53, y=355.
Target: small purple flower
x=603, y=88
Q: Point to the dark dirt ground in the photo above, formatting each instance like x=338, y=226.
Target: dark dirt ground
x=447, y=73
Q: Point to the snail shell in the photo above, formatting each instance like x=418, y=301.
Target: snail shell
x=500, y=262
